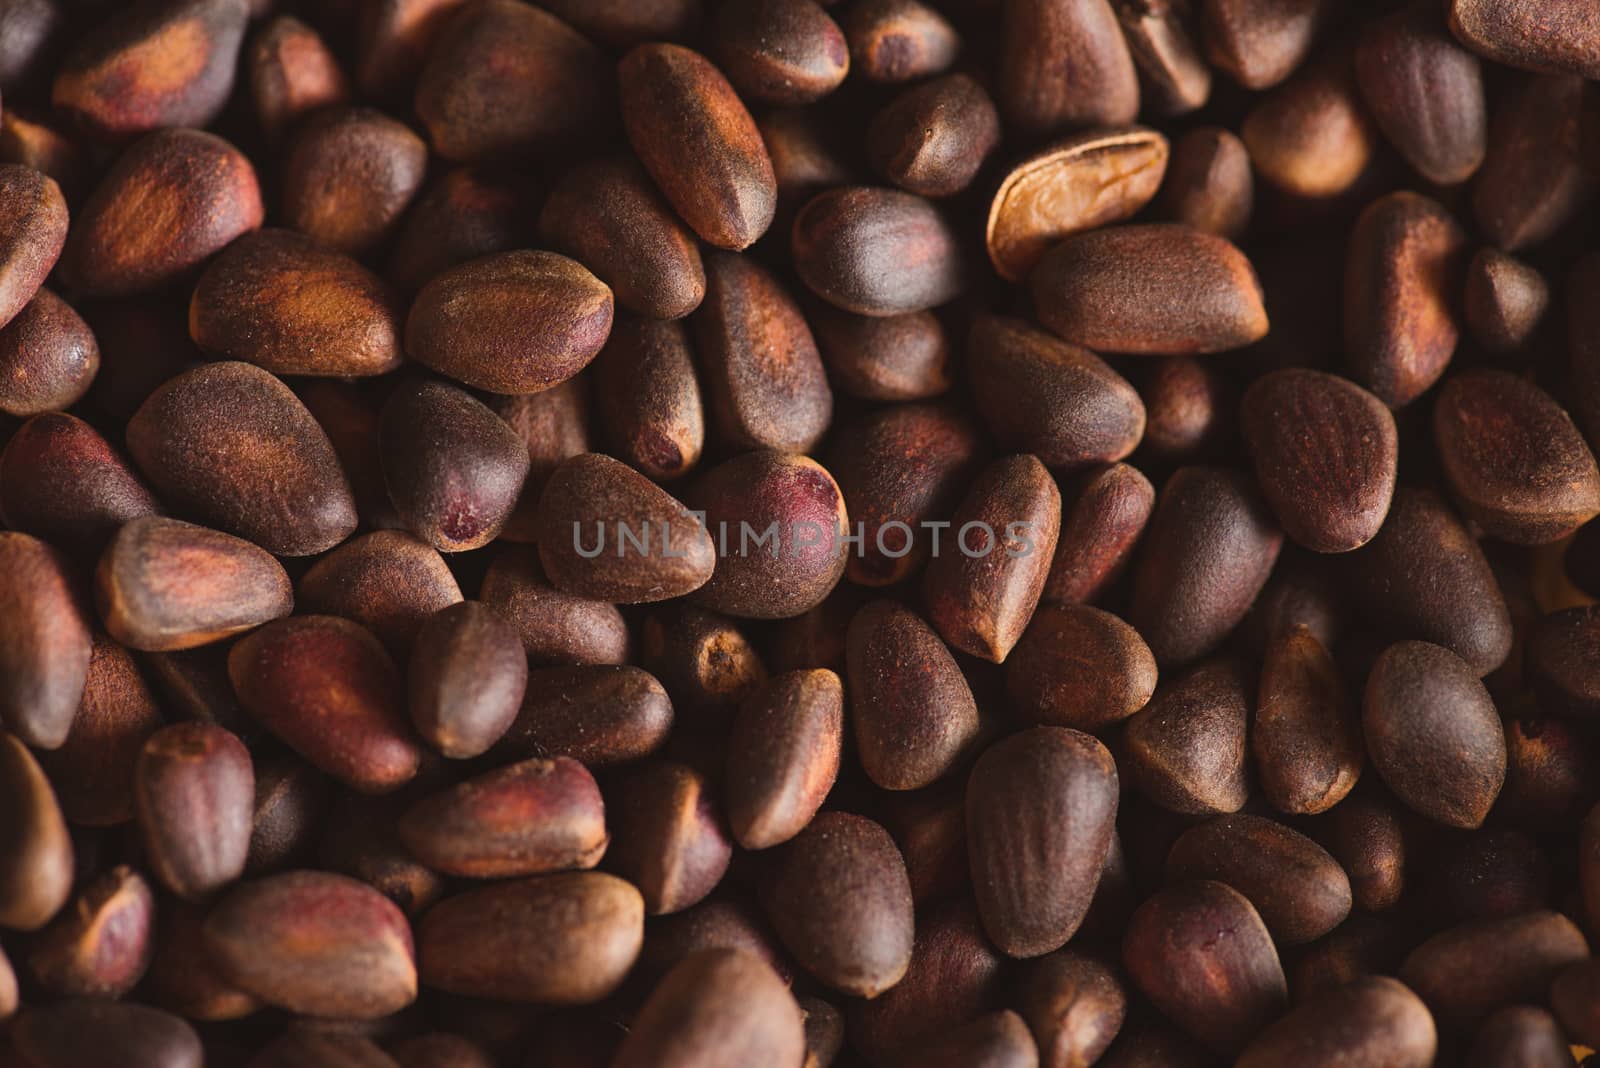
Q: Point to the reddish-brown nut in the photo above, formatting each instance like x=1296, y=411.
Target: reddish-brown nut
x=231, y=445
x=933, y=139
x=783, y=756
x=102, y=945
x=36, y=860
x=44, y=642
x=1221, y=988
x=1311, y=137
x=1532, y=183
x=1185, y=750
x=1374, y=1020
x=912, y=712
x=1075, y=1005
x=524, y=819
x=598, y=714
x=1099, y=530
x=1504, y=302
x=1209, y=185
x=392, y=42
x=165, y=584
x=168, y=63
x=291, y=799
x=62, y=482
x=784, y=52
x=169, y=202
x=468, y=213
x=388, y=581
x=883, y=358
x=1468, y=971
x=898, y=40
x=877, y=251
x=668, y=838
x=1210, y=546
x=982, y=587
x=717, y=1009
x=348, y=174
x=48, y=357
x=78, y=1032
x=281, y=301
x=704, y=660
x=1326, y=454
x=1064, y=64
x=315, y=943
x=31, y=237
x=1258, y=43
x=1562, y=36
x=292, y=73
x=566, y=939
x=555, y=424
x=649, y=396
x=195, y=790
x=1305, y=736
x=513, y=322
x=1079, y=667
x=1433, y=733
x=506, y=81
x=693, y=134
x=468, y=674
x=326, y=687
x=555, y=627
x=1041, y=809
x=1153, y=288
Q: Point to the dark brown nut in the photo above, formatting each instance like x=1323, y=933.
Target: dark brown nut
x=808, y=155
x=202, y=188
x=1365, y=834
x=525, y=819
x=1433, y=733
x=1155, y=289
x=1074, y=1005
x=44, y=657
x=466, y=214
x=1375, y=1020
x=1564, y=37
x=195, y=681
x=1191, y=411
x=841, y=903
x=1305, y=737
x=929, y=826
x=1402, y=275
x=358, y=839
x=1209, y=185
x=1548, y=771
x=1519, y=1034
x=1425, y=577
x=694, y=136
x=505, y=80
x=555, y=627
x=900, y=469
x=348, y=414
x=169, y=63
x=704, y=660
x=1099, y=529
x=36, y=860
x=184, y=977
x=622, y=23
x=195, y=790
x=1210, y=546
x=883, y=358
x=1575, y=997
x=468, y=674
x=668, y=838
x=1469, y=971
x=601, y=715
x=325, y=686
x=1504, y=302
x=933, y=139
x=996, y=1040
x=387, y=581
x=392, y=42
x=77, y=1034
x=48, y=357
x=912, y=711
x=1513, y=458
x=1185, y=750
x=1558, y=661
x=1221, y=990
x=1532, y=183
x=62, y=482
x=717, y=1009
x=348, y=175
x=606, y=214
x=1311, y=137
x=453, y=467
x=1425, y=92
x=30, y=29
x=783, y=756
x=899, y=40
x=1041, y=807
x=292, y=73
x=1299, y=890
x=308, y=1048
x=1042, y=395
x=92, y=771
x=565, y=939
x=783, y=52
x=981, y=590
x=1079, y=667
x=291, y=798
x=954, y=975
x=555, y=426
x=1303, y=590
x=1326, y=453
x=32, y=236
x=779, y=522
x=513, y=322
x=763, y=375
x=1084, y=182
x=649, y=396
x=315, y=943
x=722, y=921
x=101, y=947
x=1175, y=79
x=231, y=445
x=607, y=532
x=1488, y=875
x=1363, y=946
x=165, y=584
x=1062, y=65
x=282, y=301
x=877, y=251
x=440, y=1049
x=1259, y=43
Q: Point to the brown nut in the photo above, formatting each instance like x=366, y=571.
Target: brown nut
x=555, y=627
x=933, y=139
x=1374, y=1020
x=45, y=652
x=468, y=213
x=48, y=357
x=292, y=73
x=717, y=1009
x=194, y=787
x=784, y=52
x=1079, y=667
x=1565, y=37
x=1185, y=750
x=1062, y=65
x=1209, y=184
x=598, y=714
x=883, y=358
x=77, y=1033
x=1305, y=737
x=1311, y=137
x=1532, y=183
x=783, y=756
x=36, y=861
x=1468, y=971
x=348, y=175
x=669, y=836
x=468, y=674
x=62, y=482
x=32, y=236
x=1099, y=529
x=1074, y=1005
x=899, y=40
x=102, y=946
x=1504, y=302
x=1257, y=43
x=877, y=251
x=649, y=396
x=388, y=581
